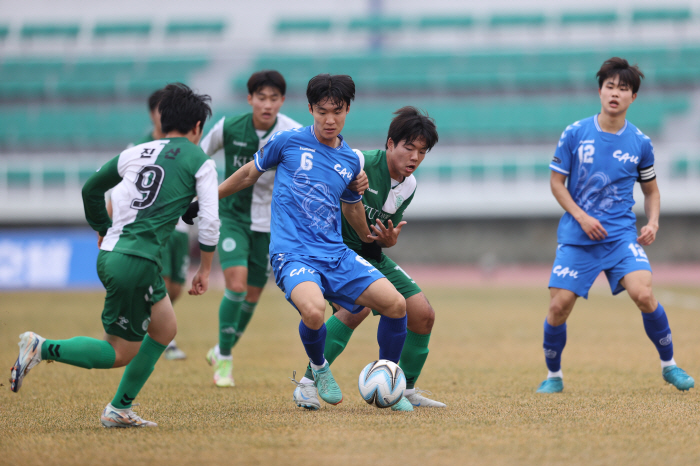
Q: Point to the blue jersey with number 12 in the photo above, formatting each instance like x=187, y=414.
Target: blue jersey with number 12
x=602, y=169
x=310, y=181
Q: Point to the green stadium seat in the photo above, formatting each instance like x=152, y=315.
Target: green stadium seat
x=4, y=31
x=376, y=24
x=680, y=168
x=446, y=22
x=509, y=20
x=649, y=15
x=589, y=17
x=121, y=29
x=303, y=25
x=52, y=31
x=212, y=27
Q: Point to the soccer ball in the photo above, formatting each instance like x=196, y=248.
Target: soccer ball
x=382, y=383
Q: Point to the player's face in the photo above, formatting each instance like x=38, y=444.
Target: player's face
x=329, y=120
x=155, y=118
x=403, y=159
x=266, y=103
x=615, y=97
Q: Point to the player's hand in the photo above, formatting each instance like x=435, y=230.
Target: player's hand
x=360, y=183
x=99, y=241
x=592, y=227
x=387, y=236
x=647, y=235
x=200, y=284
x=191, y=213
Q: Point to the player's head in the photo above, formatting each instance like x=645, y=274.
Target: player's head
x=412, y=134
x=266, y=91
x=153, y=102
x=184, y=112
x=329, y=99
x=618, y=83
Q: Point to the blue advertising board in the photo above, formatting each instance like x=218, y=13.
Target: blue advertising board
x=52, y=258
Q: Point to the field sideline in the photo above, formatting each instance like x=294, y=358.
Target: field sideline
x=485, y=363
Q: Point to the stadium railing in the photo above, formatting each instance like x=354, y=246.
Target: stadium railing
x=50, y=31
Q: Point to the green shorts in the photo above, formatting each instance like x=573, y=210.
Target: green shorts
x=395, y=274
x=133, y=285
x=239, y=246
x=175, y=257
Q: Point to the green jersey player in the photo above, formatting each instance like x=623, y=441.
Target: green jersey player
x=153, y=185
x=391, y=189
x=245, y=216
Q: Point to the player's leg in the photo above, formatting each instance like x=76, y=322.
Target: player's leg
x=639, y=286
x=561, y=303
x=175, y=259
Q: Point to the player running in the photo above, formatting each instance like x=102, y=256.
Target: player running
x=308, y=257
x=392, y=187
x=602, y=157
x=245, y=217
x=155, y=183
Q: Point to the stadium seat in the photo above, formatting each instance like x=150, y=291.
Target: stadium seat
x=446, y=22
x=376, y=24
x=509, y=20
x=4, y=31
x=50, y=31
x=213, y=27
x=121, y=29
x=303, y=25
x=589, y=17
x=652, y=15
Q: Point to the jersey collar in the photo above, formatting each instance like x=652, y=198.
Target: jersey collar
x=597, y=126
x=313, y=133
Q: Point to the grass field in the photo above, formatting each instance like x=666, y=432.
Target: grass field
x=485, y=363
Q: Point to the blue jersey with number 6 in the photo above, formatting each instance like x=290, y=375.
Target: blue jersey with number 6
x=602, y=169
x=310, y=181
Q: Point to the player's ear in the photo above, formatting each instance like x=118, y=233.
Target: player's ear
x=311, y=110
x=282, y=100
x=390, y=144
x=347, y=110
x=634, y=96
x=250, y=99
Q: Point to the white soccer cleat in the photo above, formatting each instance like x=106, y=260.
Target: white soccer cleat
x=305, y=395
x=29, y=356
x=418, y=400
x=113, y=417
x=223, y=369
x=173, y=353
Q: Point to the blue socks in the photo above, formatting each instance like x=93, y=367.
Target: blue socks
x=554, y=342
x=314, y=342
x=391, y=335
x=656, y=326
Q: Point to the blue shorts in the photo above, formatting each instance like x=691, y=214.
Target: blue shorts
x=341, y=279
x=576, y=267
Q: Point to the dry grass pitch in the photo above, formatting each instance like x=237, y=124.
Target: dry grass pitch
x=485, y=363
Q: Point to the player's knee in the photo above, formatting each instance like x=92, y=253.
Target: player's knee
x=429, y=318
x=236, y=286
x=397, y=307
x=643, y=297
x=558, y=312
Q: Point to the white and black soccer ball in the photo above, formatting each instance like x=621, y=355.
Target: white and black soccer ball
x=382, y=383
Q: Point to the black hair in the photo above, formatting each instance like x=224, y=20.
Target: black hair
x=265, y=78
x=410, y=124
x=337, y=88
x=180, y=108
x=616, y=66
x=154, y=100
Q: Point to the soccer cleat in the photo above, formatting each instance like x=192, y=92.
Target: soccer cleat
x=551, y=385
x=173, y=353
x=678, y=378
x=113, y=417
x=328, y=389
x=418, y=400
x=222, y=369
x=305, y=395
x=29, y=356
x=403, y=405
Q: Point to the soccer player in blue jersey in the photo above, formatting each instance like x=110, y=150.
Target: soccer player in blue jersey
x=308, y=257
x=602, y=157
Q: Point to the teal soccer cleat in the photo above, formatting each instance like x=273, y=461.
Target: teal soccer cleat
x=328, y=389
x=403, y=405
x=551, y=385
x=678, y=378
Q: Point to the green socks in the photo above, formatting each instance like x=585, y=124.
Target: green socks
x=229, y=315
x=415, y=352
x=247, y=310
x=85, y=352
x=337, y=337
x=137, y=372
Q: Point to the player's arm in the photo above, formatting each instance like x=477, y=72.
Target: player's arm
x=104, y=179
x=245, y=176
x=355, y=215
x=209, y=223
x=652, y=209
x=591, y=226
x=214, y=140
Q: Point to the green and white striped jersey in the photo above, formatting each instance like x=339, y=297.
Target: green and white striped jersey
x=381, y=201
x=153, y=184
x=240, y=141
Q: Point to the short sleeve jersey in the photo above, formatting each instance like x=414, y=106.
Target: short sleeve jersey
x=602, y=169
x=310, y=181
x=159, y=180
x=381, y=201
